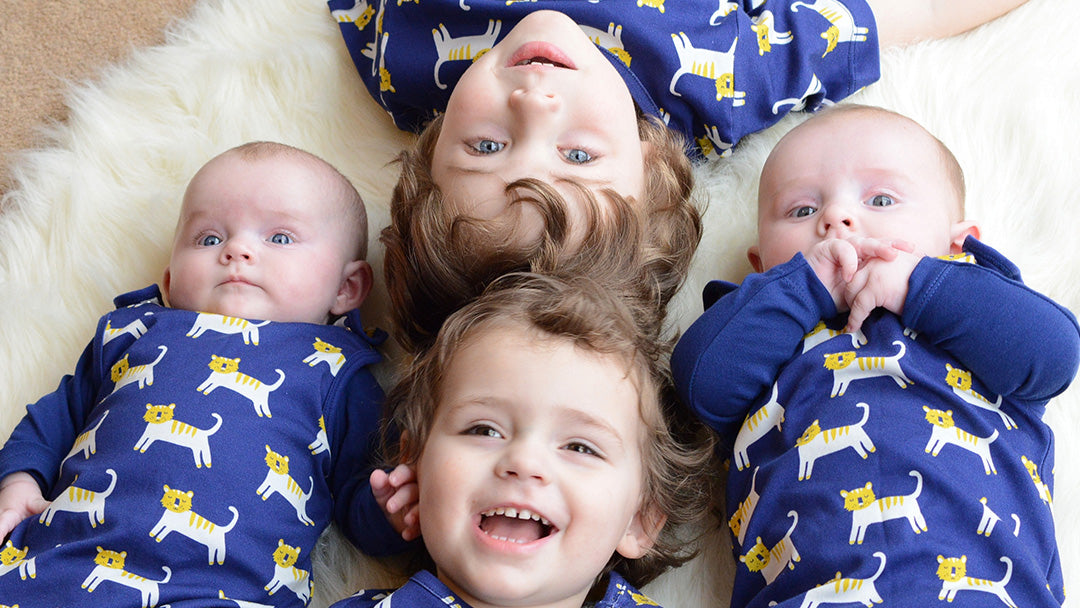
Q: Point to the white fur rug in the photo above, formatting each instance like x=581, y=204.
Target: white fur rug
x=92, y=215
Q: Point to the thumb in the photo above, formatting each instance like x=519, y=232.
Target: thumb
x=8, y=520
x=37, y=505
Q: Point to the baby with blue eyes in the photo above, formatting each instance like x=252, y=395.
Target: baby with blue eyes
x=246, y=405
x=878, y=332
x=269, y=232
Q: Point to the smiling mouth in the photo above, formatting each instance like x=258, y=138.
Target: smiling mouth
x=541, y=61
x=519, y=526
x=541, y=55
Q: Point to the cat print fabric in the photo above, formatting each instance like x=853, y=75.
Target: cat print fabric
x=881, y=467
x=710, y=69
x=191, y=460
x=424, y=589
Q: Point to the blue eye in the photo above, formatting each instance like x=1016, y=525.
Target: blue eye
x=488, y=146
x=804, y=211
x=281, y=239
x=578, y=156
x=881, y=200
x=210, y=240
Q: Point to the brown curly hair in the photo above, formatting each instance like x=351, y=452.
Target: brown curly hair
x=678, y=464
x=437, y=261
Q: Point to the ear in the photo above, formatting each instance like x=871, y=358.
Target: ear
x=355, y=287
x=642, y=532
x=165, y=283
x=959, y=232
x=754, y=257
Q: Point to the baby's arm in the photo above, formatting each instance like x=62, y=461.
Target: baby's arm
x=1016, y=340
x=901, y=22
x=730, y=356
x=398, y=496
x=20, y=497
x=30, y=459
x=354, y=436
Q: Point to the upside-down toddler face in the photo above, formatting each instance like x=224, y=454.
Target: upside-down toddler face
x=531, y=477
x=543, y=103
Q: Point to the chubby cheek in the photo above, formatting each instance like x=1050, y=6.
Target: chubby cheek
x=442, y=479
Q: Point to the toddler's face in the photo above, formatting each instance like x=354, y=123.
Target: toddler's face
x=855, y=173
x=531, y=477
x=543, y=103
x=260, y=239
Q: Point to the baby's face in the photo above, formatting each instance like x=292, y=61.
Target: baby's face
x=543, y=103
x=260, y=239
x=855, y=173
x=531, y=476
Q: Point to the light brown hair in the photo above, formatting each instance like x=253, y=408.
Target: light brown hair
x=437, y=261
x=677, y=448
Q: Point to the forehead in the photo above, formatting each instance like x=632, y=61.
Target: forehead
x=277, y=183
x=515, y=343
x=850, y=141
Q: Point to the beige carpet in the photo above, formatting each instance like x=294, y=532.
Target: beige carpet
x=46, y=45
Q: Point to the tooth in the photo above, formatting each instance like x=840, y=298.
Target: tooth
x=511, y=512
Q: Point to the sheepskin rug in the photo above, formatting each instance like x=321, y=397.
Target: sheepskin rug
x=92, y=213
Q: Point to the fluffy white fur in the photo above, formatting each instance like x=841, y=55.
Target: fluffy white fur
x=93, y=212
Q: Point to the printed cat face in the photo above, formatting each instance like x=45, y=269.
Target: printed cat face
x=223, y=365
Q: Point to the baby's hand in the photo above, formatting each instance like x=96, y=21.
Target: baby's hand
x=879, y=283
x=20, y=497
x=836, y=262
x=398, y=495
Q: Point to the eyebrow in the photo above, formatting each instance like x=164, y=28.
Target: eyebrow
x=582, y=418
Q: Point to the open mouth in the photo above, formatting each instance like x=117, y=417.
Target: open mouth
x=540, y=61
x=519, y=526
x=542, y=54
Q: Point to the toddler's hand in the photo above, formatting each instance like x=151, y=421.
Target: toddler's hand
x=879, y=283
x=398, y=495
x=20, y=497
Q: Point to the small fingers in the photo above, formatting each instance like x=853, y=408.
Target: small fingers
x=401, y=475
x=412, y=524
x=406, y=495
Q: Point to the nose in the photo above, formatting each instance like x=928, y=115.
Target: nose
x=522, y=460
x=530, y=100
x=237, y=250
x=835, y=220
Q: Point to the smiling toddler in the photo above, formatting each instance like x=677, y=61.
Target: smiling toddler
x=552, y=465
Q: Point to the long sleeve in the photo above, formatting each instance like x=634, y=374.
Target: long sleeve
x=730, y=356
x=47, y=431
x=355, y=440
x=1017, y=341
